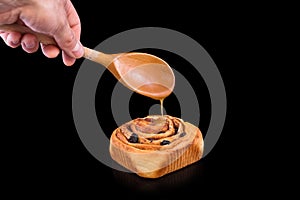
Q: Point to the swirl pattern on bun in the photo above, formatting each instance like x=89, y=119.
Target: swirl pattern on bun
x=156, y=145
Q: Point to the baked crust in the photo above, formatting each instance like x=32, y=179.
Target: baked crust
x=156, y=145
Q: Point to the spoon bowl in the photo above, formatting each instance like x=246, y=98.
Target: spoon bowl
x=143, y=73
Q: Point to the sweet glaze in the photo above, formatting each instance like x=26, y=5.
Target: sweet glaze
x=145, y=74
x=155, y=91
x=162, y=107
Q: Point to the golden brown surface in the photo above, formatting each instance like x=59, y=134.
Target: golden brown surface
x=156, y=145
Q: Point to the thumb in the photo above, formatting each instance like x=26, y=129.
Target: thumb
x=67, y=41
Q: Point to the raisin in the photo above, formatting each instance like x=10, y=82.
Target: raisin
x=134, y=138
x=148, y=119
x=176, y=130
x=165, y=142
x=182, y=134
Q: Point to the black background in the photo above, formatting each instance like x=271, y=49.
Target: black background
x=42, y=151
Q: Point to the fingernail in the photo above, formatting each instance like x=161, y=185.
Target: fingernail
x=29, y=45
x=78, y=50
x=15, y=42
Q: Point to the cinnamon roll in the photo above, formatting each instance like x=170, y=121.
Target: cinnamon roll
x=156, y=145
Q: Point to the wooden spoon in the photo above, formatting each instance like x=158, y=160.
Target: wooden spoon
x=143, y=73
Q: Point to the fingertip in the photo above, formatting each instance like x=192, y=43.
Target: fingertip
x=78, y=50
x=50, y=51
x=29, y=43
x=13, y=39
x=68, y=60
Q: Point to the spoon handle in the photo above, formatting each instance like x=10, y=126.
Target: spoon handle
x=45, y=39
x=99, y=57
x=93, y=55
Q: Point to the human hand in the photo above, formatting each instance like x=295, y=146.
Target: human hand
x=56, y=18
